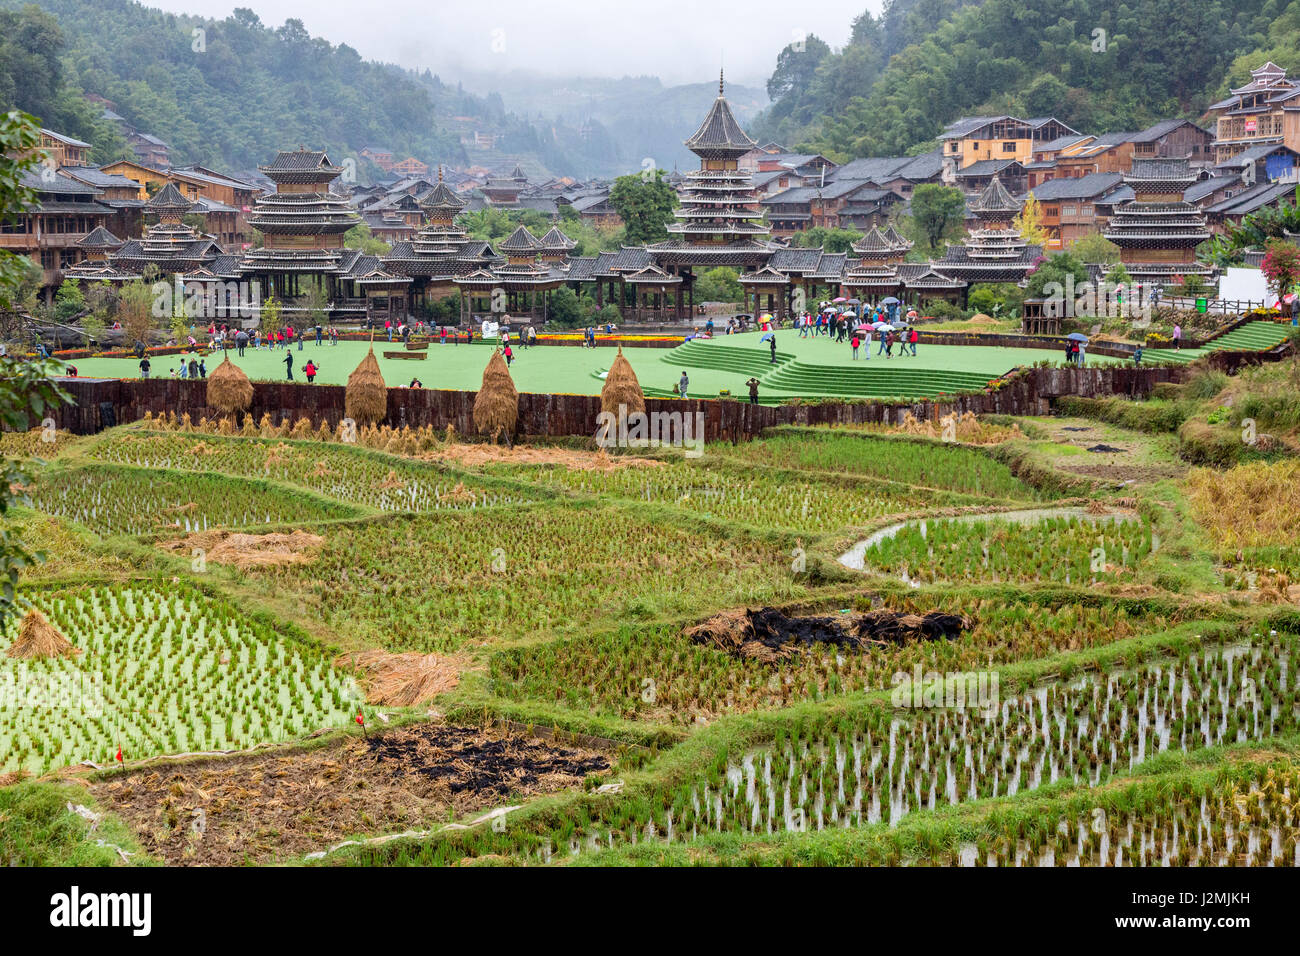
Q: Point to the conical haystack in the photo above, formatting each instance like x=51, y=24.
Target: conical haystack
x=366, y=398
x=496, y=406
x=229, y=389
x=621, y=388
x=38, y=638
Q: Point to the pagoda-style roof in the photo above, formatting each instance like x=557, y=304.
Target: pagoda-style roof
x=720, y=136
x=765, y=276
x=519, y=241
x=169, y=203
x=556, y=240
x=441, y=197
x=875, y=244
x=893, y=236
x=100, y=238
x=300, y=165
x=994, y=201
x=652, y=275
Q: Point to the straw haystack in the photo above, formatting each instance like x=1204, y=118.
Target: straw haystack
x=38, y=638
x=366, y=398
x=496, y=406
x=229, y=389
x=621, y=388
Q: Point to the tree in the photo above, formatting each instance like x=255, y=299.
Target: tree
x=315, y=303
x=1059, y=268
x=565, y=311
x=1096, y=249
x=936, y=209
x=27, y=389
x=720, y=284
x=272, y=316
x=1281, y=266
x=796, y=66
x=68, y=301
x=832, y=240
x=1029, y=222
x=360, y=237
x=645, y=204
x=135, y=312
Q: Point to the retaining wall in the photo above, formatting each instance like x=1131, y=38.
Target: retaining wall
x=103, y=402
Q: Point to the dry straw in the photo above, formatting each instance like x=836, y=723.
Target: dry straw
x=229, y=390
x=621, y=389
x=496, y=406
x=366, y=398
x=38, y=638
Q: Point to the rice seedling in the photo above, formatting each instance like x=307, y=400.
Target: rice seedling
x=922, y=464
x=342, y=472
x=435, y=583
x=110, y=499
x=1077, y=549
x=762, y=497
x=608, y=673
x=159, y=672
x=879, y=765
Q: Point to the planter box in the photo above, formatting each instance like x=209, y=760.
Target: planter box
x=419, y=356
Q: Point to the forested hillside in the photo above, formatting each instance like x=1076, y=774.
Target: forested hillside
x=1098, y=65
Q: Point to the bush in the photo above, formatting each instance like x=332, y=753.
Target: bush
x=1206, y=384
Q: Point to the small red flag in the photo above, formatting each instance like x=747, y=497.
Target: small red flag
x=361, y=720
x=119, y=755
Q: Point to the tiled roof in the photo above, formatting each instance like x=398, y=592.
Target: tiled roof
x=720, y=131
x=1078, y=187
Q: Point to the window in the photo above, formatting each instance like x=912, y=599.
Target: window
x=1009, y=147
x=1069, y=211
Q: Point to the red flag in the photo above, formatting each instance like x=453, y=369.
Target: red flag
x=361, y=720
x=119, y=755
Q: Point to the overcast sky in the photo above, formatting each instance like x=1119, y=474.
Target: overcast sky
x=681, y=41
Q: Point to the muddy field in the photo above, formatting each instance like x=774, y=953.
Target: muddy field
x=768, y=635
x=264, y=807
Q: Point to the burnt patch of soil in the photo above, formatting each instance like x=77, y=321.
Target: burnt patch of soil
x=1106, y=449
x=266, y=806
x=769, y=635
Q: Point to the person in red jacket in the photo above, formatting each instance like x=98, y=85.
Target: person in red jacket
x=510, y=356
x=856, y=343
x=310, y=371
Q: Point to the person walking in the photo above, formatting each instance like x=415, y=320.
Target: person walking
x=1178, y=337
x=144, y=368
x=319, y=333
x=442, y=335
x=194, y=368
x=753, y=391
x=288, y=367
x=855, y=343
x=388, y=327
x=884, y=336
x=771, y=344
x=913, y=337
x=510, y=356
x=185, y=369
x=866, y=340
x=203, y=368
x=301, y=335
x=682, y=384
x=1137, y=357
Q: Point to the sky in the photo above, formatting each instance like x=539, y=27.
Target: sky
x=680, y=41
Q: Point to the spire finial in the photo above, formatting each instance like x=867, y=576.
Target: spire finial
x=719, y=81
x=440, y=172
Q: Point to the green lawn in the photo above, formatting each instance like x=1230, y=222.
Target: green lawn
x=807, y=367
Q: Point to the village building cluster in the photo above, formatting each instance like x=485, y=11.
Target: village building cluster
x=1156, y=193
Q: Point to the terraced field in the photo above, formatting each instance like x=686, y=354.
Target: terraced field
x=1249, y=337
x=826, y=646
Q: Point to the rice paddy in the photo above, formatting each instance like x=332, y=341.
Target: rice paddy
x=160, y=672
x=587, y=709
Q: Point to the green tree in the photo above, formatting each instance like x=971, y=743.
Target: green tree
x=272, y=319
x=360, y=237
x=135, y=312
x=937, y=209
x=1095, y=248
x=645, y=204
x=1057, y=269
x=720, y=284
x=27, y=390
x=68, y=301
x=832, y=240
x=566, y=310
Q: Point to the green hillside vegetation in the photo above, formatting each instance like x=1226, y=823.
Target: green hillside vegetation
x=1097, y=65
